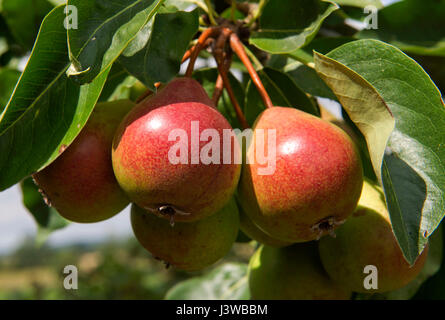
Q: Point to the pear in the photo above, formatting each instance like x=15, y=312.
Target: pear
x=80, y=183
x=291, y=273
x=255, y=233
x=314, y=184
x=188, y=246
x=366, y=239
x=169, y=154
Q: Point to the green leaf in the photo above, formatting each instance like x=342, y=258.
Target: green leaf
x=302, y=56
x=282, y=90
x=155, y=54
x=368, y=169
x=118, y=85
x=105, y=28
x=8, y=80
x=227, y=282
x=47, y=110
x=400, y=112
x=360, y=3
x=24, y=17
x=413, y=26
x=57, y=2
x=4, y=47
x=303, y=74
x=308, y=80
x=287, y=25
x=321, y=45
x=237, y=15
x=46, y=218
x=207, y=78
x=182, y=5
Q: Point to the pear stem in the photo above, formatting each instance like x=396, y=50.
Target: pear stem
x=187, y=54
x=219, y=87
x=238, y=48
x=204, y=41
x=238, y=111
x=220, y=58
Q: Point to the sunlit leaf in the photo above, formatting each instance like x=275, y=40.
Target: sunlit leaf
x=227, y=282
x=47, y=110
x=287, y=25
x=104, y=30
x=400, y=112
x=155, y=54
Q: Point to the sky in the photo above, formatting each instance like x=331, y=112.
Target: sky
x=16, y=223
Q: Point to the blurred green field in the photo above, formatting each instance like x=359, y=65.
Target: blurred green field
x=111, y=270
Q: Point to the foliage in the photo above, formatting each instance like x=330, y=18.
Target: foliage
x=389, y=82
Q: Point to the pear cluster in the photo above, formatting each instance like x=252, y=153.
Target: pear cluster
x=188, y=212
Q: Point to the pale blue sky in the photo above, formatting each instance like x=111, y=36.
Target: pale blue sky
x=16, y=224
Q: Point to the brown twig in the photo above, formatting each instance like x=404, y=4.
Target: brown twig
x=219, y=54
x=187, y=54
x=237, y=47
x=200, y=45
x=238, y=111
x=219, y=87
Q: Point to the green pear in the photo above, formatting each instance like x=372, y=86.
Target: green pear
x=291, y=273
x=188, y=246
x=137, y=90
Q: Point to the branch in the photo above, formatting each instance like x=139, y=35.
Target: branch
x=238, y=48
x=203, y=41
x=222, y=69
x=219, y=87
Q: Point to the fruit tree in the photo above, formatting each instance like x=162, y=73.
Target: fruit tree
x=311, y=131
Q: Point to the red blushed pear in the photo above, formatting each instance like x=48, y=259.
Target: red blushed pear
x=161, y=149
x=317, y=179
x=80, y=183
x=251, y=230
